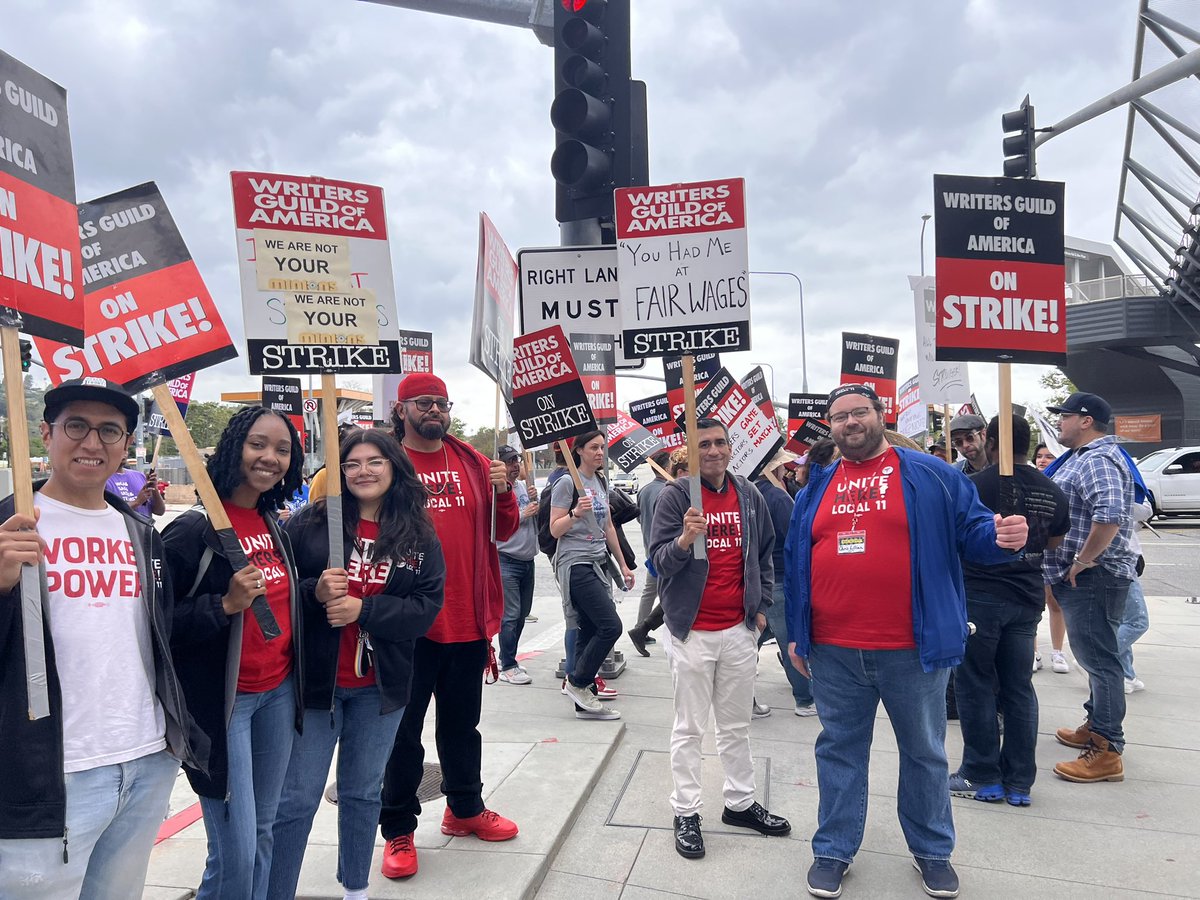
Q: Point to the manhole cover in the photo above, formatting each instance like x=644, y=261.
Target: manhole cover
x=431, y=783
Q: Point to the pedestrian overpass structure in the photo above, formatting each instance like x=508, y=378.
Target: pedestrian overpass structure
x=1132, y=332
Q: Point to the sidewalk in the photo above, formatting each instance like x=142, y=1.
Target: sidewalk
x=591, y=797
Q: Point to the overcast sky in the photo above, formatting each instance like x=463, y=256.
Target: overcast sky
x=837, y=115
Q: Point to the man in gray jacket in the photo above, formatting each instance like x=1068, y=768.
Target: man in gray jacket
x=714, y=608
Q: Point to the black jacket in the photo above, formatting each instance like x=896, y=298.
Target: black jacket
x=208, y=644
x=394, y=618
x=32, y=787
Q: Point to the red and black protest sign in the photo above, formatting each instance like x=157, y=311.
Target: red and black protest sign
x=806, y=421
x=286, y=397
x=755, y=383
x=548, y=400
x=872, y=361
x=149, y=319
x=630, y=444
x=1000, y=273
x=654, y=413
x=596, y=359
x=495, y=311
x=706, y=366
x=181, y=391
x=753, y=437
x=41, y=272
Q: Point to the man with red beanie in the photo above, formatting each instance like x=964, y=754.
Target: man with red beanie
x=449, y=662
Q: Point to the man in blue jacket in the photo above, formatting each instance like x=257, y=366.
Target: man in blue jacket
x=876, y=611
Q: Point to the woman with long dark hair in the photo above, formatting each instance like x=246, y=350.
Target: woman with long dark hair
x=242, y=689
x=360, y=626
x=580, y=522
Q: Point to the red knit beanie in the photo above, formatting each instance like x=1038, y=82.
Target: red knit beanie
x=420, y=384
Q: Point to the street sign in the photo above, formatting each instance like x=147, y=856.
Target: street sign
x=575, y=287
x=310, y=405
x=1000, y=273
x=683, y=268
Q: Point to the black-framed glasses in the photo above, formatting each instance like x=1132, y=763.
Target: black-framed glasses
x=374, y=465
x=78, y=430
x=424, y=404
x=860, y=414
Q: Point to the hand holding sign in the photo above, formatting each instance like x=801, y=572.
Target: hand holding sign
x=694, y=525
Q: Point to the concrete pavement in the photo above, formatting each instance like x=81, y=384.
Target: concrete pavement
x=591, y=797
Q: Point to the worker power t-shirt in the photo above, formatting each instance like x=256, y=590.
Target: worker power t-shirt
x=101, y=633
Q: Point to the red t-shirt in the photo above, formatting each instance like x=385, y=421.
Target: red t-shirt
x=264, y=663
x=451, y=507
x=366, y=580
x=861, y=568
x=722, y=605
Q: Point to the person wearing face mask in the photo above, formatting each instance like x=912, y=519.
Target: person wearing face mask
x=359, y=632
x=244, y=690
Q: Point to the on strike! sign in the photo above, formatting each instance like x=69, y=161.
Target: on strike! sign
x=753, y=438
x=495, y=308
x=872, y=361
x=704, y=368
x=911, y=420
x=316, y=275
x=548, y=401
x=416, y=355
x=595, y=358
x=629, y=444
x=654, y=413
x=1000, y=291
x=151, y=322
x=41, y=274
x=683, y=266
x=181, y=391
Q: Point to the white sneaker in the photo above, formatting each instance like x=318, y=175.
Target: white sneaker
x=583, y=697
x=1037, y=661
x=1058, y=662
x=1133, y=685
x=515, y=675
x=603, y=714
x=806, y=711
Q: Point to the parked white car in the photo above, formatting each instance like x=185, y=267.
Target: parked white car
x=1173, y=479
x=626, y=481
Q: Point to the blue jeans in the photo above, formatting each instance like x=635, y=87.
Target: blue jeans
x=364, y=740
x=259, y=744
x=113, y=816
x=847, y=686
x=517, y=576
x=777, y=626
x=1134, y=624
x=1093, y=610
x=1000, y=652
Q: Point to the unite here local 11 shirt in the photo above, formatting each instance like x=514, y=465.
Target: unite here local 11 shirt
x=861, y=567
x=265, y=664
x=722, y=605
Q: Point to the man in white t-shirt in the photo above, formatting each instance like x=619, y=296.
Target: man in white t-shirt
x=86, y=788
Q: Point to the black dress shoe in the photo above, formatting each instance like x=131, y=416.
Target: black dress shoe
x=637, y=634
x=688, y=839
x=756, y=816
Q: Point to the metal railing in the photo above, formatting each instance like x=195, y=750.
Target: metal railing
x=1112, y=288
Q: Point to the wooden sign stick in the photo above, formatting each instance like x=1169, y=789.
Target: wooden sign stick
x=231, y=547
x=333, y=471
x=1008, y=488
x=660, y=470
x=157, y=447
x=699, y=546
x=32, y=579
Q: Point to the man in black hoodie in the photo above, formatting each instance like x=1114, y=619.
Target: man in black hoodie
x=86, y=788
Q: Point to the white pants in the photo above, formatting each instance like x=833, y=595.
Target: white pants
x=712, y=671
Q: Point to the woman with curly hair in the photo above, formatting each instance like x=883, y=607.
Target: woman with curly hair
x=360, y=626
x=243, y=690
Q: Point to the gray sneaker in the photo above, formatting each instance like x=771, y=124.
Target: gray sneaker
x=760, y=710
x=603, y=714
x=583, y=697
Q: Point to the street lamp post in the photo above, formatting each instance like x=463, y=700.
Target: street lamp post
x=924, y=221
x=803, y=348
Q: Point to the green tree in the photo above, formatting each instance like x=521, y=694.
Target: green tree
x=205, y=420
x=484, y=440
x=1058, y=386
x=458, y=428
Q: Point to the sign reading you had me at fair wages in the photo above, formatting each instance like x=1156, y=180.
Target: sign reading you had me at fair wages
x=683, y=268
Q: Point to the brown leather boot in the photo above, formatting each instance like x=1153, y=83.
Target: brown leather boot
x=1074, y=737
x=1097, y=762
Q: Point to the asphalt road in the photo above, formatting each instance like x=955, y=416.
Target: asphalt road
x=1172, y=552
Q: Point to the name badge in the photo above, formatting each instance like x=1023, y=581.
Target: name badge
x=851, y=542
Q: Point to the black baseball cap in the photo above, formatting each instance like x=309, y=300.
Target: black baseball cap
x=861, y=389
x=100, y=390
x=1084, y=404
x=507, y=452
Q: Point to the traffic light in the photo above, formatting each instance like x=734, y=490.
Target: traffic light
x=1019, y=160
x=592, y=112
x=26, y=355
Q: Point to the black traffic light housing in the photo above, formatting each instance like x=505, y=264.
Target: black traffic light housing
x=1019, y=130
x=26, y=355
x=598, y=113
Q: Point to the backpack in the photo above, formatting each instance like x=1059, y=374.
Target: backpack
x=547, y=542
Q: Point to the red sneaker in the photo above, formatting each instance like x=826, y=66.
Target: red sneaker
x=399, y=857
x=487, y=826
x=603, y=691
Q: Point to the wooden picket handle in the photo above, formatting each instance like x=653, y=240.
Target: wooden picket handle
x=660, y=470
x=333, y=471
x=695, y=496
